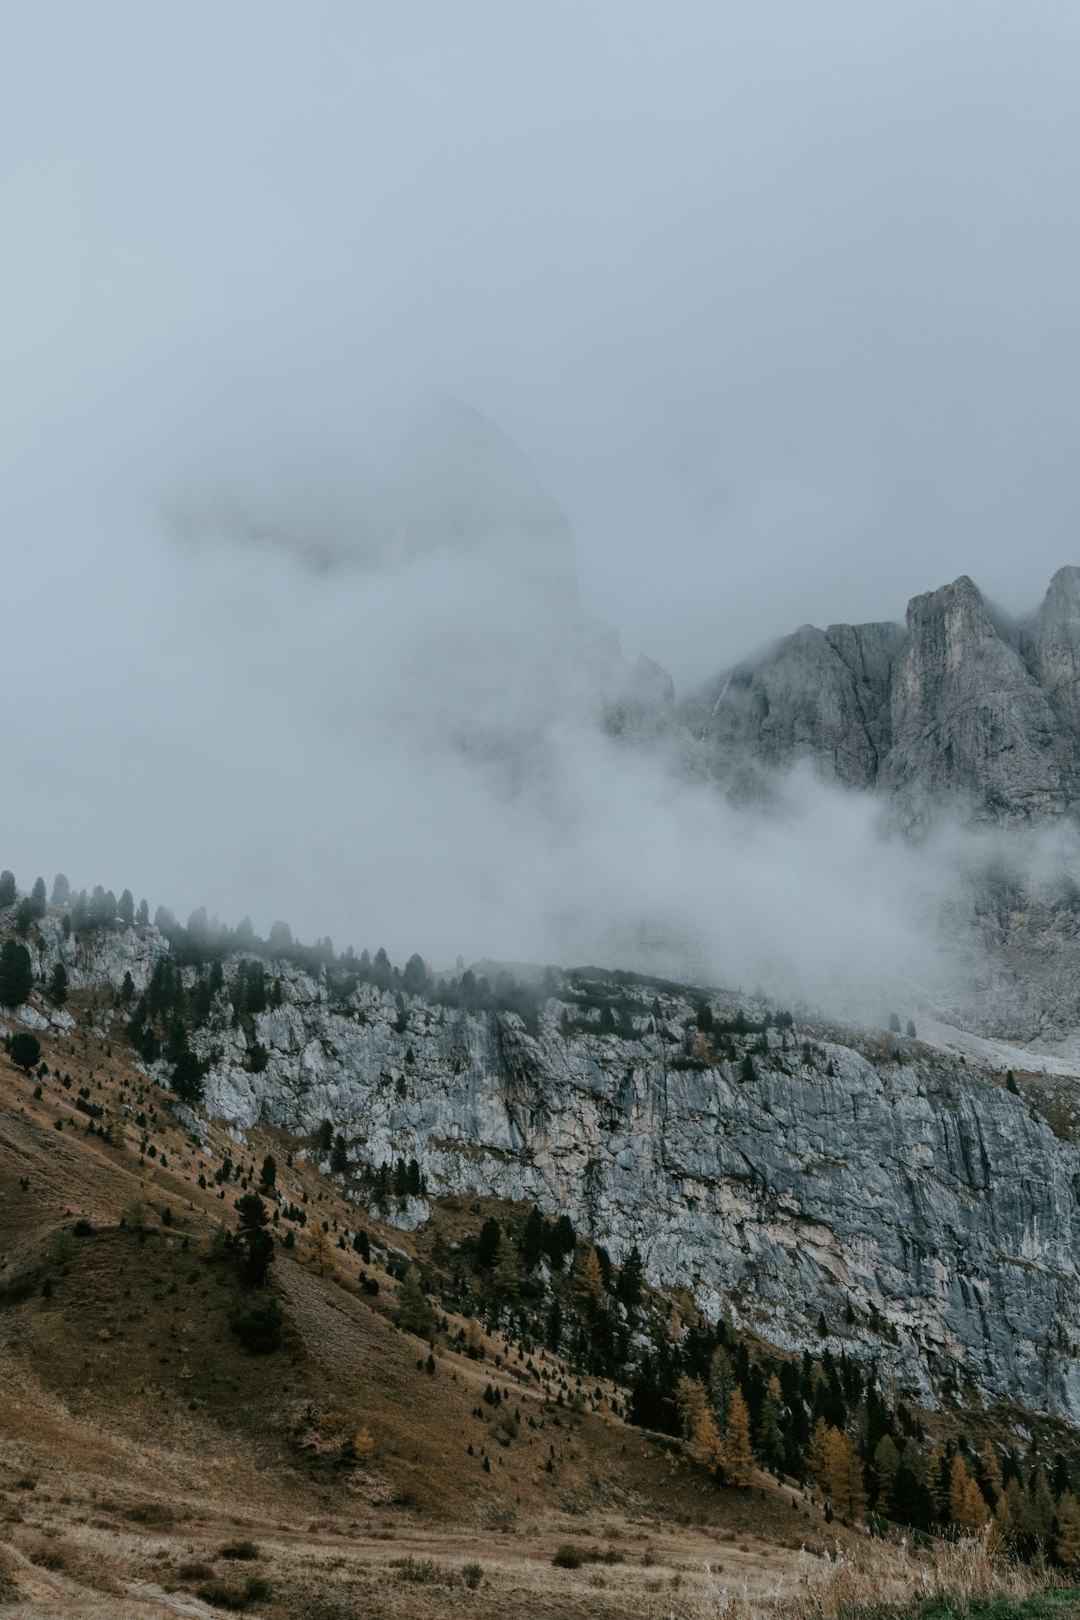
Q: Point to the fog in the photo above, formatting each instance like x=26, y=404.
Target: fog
x=780, y=303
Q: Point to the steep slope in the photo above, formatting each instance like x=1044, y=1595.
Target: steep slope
x=781, y=1172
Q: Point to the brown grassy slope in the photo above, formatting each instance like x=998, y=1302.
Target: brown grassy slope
x=138, y=1435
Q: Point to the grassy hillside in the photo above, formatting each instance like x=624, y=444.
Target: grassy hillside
x=154, y=1465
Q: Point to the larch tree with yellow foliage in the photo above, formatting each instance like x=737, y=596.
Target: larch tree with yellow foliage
x=817, y=1453
x=844, y=1480
x=1068, y=1536
x=690, y=1402
x=967, y=1506
x=707, y=1445
x=592, y=1279
x=738, y=1454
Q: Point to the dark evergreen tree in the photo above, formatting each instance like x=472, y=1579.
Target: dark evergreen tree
x=37, y=897
x=415, y=978
x=339, y=1155
x=487, y=1248
x=7, y=888
x=326, y=1137
x=125, y=907
x=255, y=1242
x=532, y=1240
x=187, y=1079
x=16, y=973
x=58, y=984
x=911, y=1502
x=61, y=890
x=268, y=1174
x=25, y=1050
x=142, y=916
x=628, y=1287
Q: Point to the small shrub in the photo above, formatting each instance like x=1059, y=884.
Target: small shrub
x=223, y=1596
x=418, y=1571
x=472, y=1575
x=195, y=1570
x=238, y=1549
x=82, y=1228
x=567, y=1557
x=363, y=1445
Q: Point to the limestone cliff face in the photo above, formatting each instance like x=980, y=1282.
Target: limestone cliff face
x=828, y=1175
x=965, y=705
x=1054, y=638
x=969, y=718
x=818, y=695
x=926, y=1194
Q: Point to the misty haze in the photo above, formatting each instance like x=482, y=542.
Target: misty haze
x=540, y=878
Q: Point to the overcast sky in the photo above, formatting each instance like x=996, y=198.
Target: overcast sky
x=780, y=299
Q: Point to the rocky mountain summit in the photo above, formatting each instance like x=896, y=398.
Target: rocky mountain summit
x=964, y=704
x=788, y=1174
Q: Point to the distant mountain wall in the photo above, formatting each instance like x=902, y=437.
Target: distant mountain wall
x=962, y=705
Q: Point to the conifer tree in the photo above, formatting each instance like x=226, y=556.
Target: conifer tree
x=738, y=1459
x=690, y=1403
x=990, y=1473
x=886, y=1464
x=707, y=1447
x=845, y=1477
x=592, y=1280
x=1068, y=1532
x=414, y=1314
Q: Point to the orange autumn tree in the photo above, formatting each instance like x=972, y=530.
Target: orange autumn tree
x=738, y=1454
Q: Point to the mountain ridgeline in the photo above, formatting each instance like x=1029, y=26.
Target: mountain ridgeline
x=964, y=704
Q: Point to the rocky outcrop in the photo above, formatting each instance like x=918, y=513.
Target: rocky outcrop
x=1054, y=646
x=968, y=717
x=923, y=1200
x=919, y=1205
x=819, y=695
x=965, y=706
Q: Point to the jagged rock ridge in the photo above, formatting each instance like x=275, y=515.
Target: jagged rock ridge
x=963, y=704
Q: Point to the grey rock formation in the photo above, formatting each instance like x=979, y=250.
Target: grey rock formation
x=924, y=1194
x=818, y=695
x=968, y=717
x=829, y=1172
x=965, y=706
x=1054, y=641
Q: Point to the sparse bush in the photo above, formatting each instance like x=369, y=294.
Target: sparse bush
x=195, y=1570
x=363, y=1445
x=567, y=1557
x=472, y=1575
x=237, y=1598
x=419, y=1571
x=242, y=1550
